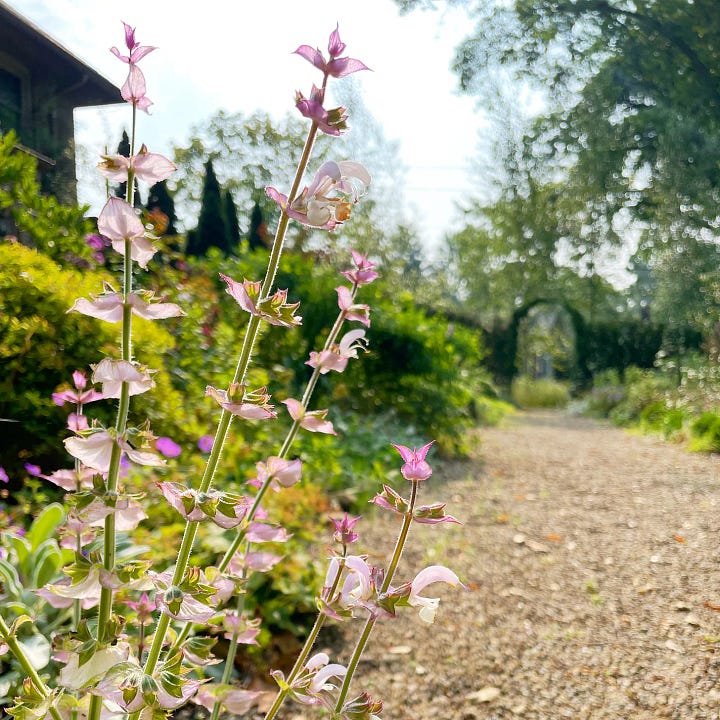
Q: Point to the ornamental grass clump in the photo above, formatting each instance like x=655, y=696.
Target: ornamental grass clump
x=137, y=637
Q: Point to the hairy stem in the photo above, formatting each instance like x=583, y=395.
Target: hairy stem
x=370, y=622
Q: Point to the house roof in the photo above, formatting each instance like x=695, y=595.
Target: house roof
x=28, y=44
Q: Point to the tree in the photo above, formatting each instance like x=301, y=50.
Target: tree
x=211, y=230
x=630, y=127
x=232, y=228
x=258, y=233
x=160, y=200
x=120, y=191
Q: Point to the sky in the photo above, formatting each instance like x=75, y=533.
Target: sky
x=237, y=55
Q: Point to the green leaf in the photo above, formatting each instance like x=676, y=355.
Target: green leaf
x=45, y=524
x=48, y=564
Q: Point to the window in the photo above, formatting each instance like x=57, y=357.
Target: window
x=10, y=101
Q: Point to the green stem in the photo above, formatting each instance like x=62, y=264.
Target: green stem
x=230, y=658
x=370, y=622
x=306, y=648
x=287, y=442
x=241, y=369
x=19, y=654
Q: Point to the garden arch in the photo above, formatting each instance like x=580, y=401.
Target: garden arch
x=504, y=342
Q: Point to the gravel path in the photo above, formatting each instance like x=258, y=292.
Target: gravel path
x=593, y=561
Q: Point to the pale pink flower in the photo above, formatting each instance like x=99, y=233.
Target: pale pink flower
x=245, y=628
x=274, y=309
x=118, y=222
x=134, y=89
x=311, y=420
x=146, y=166
x=257, y=561
x=415, y=467
x=95, y=450
x=284, y=472
x=259, y=532
x=72, y=480
x=184, y=607
x=428, y=606
x=247, y=405
x=233, y=699
x=226, y=510
x=77, y=422
x=336, y=358
x=327, y=201
x=351, y=309
x=113, y=373
x=109, y=306
x=75, y=676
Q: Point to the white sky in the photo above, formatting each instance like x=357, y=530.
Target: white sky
x=237, y=55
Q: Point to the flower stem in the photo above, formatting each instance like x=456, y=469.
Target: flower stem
x=223, y=428
x=305, y=651
x=370, y=622
x=19, y=654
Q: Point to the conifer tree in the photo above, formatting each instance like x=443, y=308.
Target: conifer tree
x=211, y=230
x=123, y=149
x=257, y=235
x=159, y=198
x=231, y=222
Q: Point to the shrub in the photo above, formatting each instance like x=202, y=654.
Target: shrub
x=705, y=433
x=529, y=393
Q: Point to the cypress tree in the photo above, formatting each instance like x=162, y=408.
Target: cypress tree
x=211, y=230
x=257, y=235
x=123, y=149
x=159, y=198
x=231, y=221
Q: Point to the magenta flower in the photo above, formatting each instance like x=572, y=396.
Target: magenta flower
x=79, y=396
x=146, y=166
x=133, y=90
x=331, y=122
x=326, y=202
x=3, y=475
x=415, y=467
x=363, y=272
x=167, y=447
x=352, y=310
x=337, y=66
x=205, y=443
x=137, y=51
x=144, y=607
x=313, y=420
x=344, y=529
x=118, y=222
x=33, y=470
